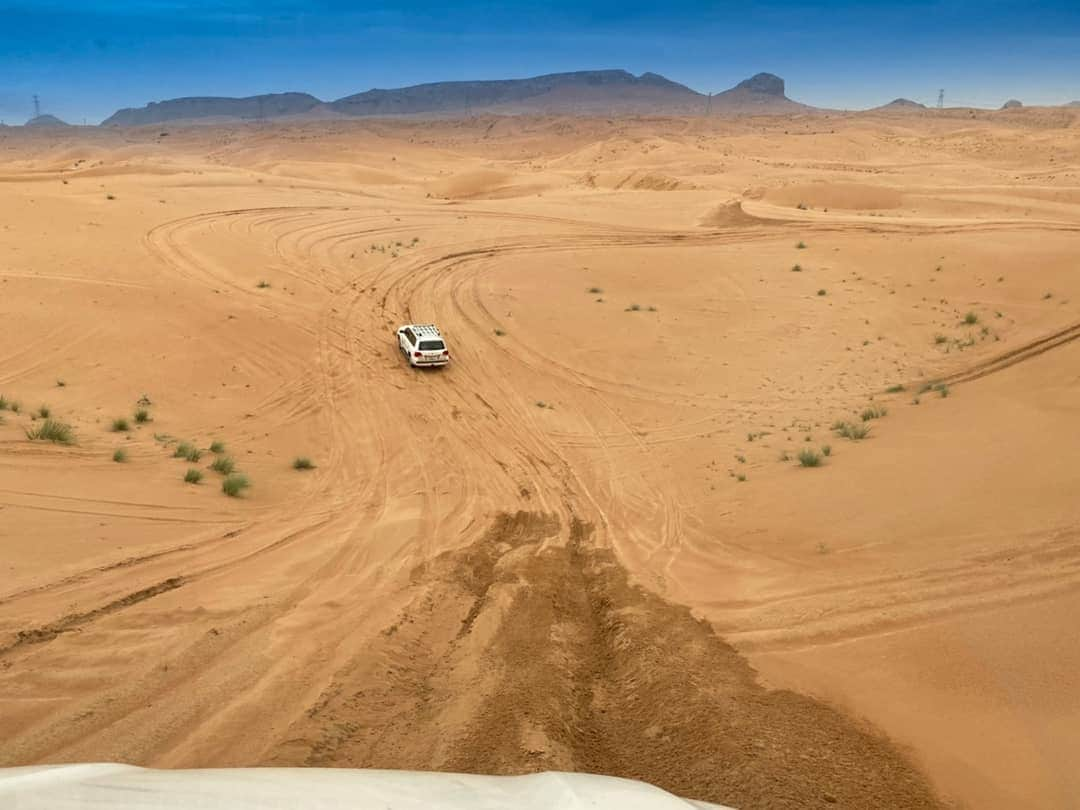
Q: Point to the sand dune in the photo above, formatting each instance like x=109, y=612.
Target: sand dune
x=588, y=543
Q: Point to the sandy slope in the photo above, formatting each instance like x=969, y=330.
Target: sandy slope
x=568, y=549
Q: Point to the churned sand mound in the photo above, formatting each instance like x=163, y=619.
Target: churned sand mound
x=635, y=181
x=768, y=507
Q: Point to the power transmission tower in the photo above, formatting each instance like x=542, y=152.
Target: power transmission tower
x=940, y=99
x=37, y=106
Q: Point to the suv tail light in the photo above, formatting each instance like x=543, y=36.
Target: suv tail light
x=446, y=354
x=417, y=354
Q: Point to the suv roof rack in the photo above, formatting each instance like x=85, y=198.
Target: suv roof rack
x=425, y=329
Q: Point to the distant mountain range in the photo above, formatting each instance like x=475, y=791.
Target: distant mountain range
x=901, y=105
x=46, y=121
x=597, y=92
x=587, y=92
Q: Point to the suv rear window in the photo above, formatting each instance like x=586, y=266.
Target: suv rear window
x=432, y=345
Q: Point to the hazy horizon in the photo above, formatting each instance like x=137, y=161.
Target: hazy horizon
x=86, y=60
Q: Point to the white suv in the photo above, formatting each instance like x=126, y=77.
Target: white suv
x=422, y=345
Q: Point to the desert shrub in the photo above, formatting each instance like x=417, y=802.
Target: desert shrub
x=796, y=268
x=821, y=292
x=971, y=319
x=52, y=431
x=801, y=246
x=595, y=291
x=44, y=412
x=234, y=484
x=262, y=285
x=873, y=412
x=303, y=463
x=852, y=430
x=223, y=465
x=809, y=458
x=120, y=425
x=193, y=476
x=217, y=447
x=142, y=416
x=187, y=451
x=894, y=389
x=119, y=456
x=826, y=450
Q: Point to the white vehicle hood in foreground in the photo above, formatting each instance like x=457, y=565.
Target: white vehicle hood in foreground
x=125, y=787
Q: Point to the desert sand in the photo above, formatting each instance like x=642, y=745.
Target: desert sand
x=588, y=544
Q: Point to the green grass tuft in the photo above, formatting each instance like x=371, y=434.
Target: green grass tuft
x=217, y=447
x=187, y=451
x=894, y=389
x=44, y=412
x=120, y=425
x=119, y=456
x=223, y=465
x=809, y=458
x=971, y=319
x=801, y=246
x=303, y=463
x=142, y=416
x=234, y=484
x=52, y=431
x=852, y=430
x=826, y=450
x=192, y=476
x=873, y=412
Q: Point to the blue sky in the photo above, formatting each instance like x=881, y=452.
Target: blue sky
x=87, y=58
